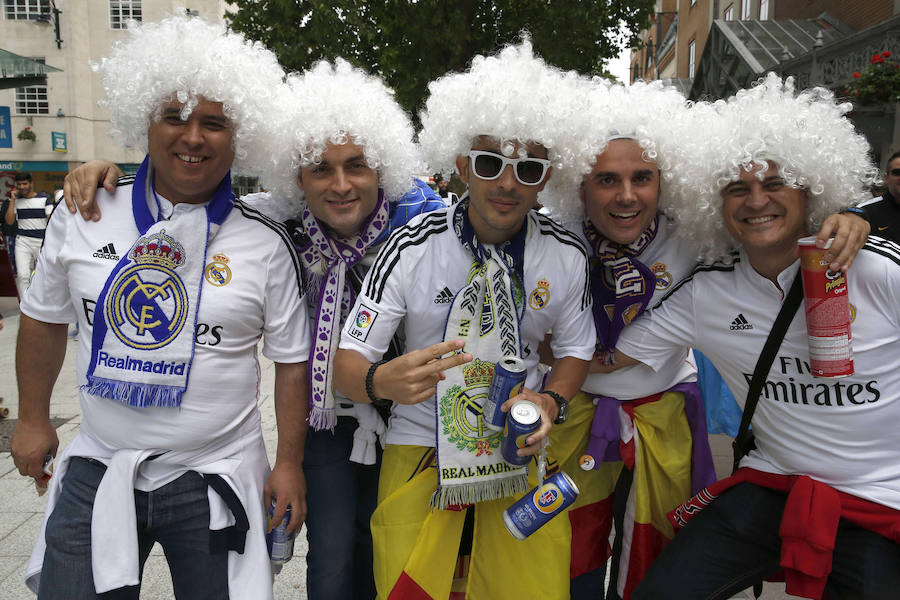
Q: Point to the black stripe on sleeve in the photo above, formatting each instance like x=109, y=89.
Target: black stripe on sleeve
x=886, y=248
x=405, y=237
x=547, y=226
x=702, y=268
x=282, y=232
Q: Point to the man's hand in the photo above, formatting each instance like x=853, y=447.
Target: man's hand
x=849, y=232
x=30, y=443
x=549, y=411
x=287, y=485
x=80, y=187
x=411, y=378
x=13, y=194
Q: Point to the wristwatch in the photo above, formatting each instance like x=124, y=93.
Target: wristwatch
x=562, y=404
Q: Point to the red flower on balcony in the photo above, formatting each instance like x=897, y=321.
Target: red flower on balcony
x=856, y=75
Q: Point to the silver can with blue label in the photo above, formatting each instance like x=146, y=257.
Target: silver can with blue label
x=279, y=542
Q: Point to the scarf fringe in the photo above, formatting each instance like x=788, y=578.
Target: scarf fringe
x=321, y=418
x=472, y=493
x=135, y=394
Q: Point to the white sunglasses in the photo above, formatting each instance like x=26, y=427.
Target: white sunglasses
x=490, y=165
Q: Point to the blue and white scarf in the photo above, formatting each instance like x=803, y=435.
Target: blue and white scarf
x=486, y=313
x=143, y=339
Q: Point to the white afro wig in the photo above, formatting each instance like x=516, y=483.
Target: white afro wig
x=337, y=104
x=513, y=96
x=806, y=134
x=649, y=113
x=182, y=58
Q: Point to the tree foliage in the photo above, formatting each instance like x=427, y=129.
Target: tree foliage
x=411, y=43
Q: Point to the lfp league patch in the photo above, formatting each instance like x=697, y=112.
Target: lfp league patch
x=362, y=323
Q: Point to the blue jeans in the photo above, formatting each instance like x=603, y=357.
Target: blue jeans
x=733, y=544
x=340, y=500
x=175, y=515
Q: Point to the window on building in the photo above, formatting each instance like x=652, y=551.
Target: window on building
x=692, y=57
x=120, y=11
x=242, y=185
x=25, y=9
x=763, y=10
x=32, y=100
x=745, y=10
x=728, y=15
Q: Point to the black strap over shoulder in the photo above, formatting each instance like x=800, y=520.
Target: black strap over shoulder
x=744, y=441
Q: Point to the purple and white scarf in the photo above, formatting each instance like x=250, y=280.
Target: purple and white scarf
x=330, y=296
x=621, y=285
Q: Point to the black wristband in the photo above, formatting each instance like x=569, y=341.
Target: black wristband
x=370, y=387
x=561, y=403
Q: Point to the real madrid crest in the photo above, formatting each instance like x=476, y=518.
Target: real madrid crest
x=663, y=277
x=540, y=296
x=147, y=304
x=464, y=424
x=218, y=272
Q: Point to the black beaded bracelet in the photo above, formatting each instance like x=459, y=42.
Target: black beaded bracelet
x=370, y=387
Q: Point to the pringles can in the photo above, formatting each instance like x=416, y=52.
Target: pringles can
x=524, y=419
x=827, y=313
x=509, y=377
x=540, y=505
x=279, y=542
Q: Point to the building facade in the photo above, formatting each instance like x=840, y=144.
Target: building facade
x=709, y=49
x=62, y=115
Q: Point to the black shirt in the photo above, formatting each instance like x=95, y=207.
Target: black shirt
x=884, y=217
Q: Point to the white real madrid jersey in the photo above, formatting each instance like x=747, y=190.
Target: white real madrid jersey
x=251, y=289
x=420, y=269
x=842, y=432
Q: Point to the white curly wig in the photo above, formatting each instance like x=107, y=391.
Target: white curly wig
x=513, y=96
x=650, y=113
x=806, y=134
x=183, y=58
x=336, y=104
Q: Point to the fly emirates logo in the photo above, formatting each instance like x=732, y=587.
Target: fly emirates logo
x=802, y=388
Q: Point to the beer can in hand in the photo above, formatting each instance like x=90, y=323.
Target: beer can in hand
x=509, y=377
x=541, y=504
x=827, y=312
x=524, y=419
x=279, y=542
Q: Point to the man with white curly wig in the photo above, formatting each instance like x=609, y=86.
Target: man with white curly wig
x=172, y=290
x=348, y=150
x=818, y=497
x=341, y=174
x=474, y=283
x=615, y=185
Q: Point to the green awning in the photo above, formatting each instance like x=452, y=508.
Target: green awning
x=19, y=71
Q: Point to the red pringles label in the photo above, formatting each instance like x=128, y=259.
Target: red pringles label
x=827, y=313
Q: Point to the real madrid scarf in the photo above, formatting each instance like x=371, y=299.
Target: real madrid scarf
x=327, y=260
x=143, y=339
x=621, y=285
x=486, y=313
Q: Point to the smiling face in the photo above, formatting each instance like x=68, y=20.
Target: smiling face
x=497, y=207
x=621, y=193
x=190, y=157
x=341, y=190
x=766, y=216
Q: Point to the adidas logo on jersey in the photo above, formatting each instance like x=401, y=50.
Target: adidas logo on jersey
x=108, y=252
x=740, y=322
x=445, y=297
